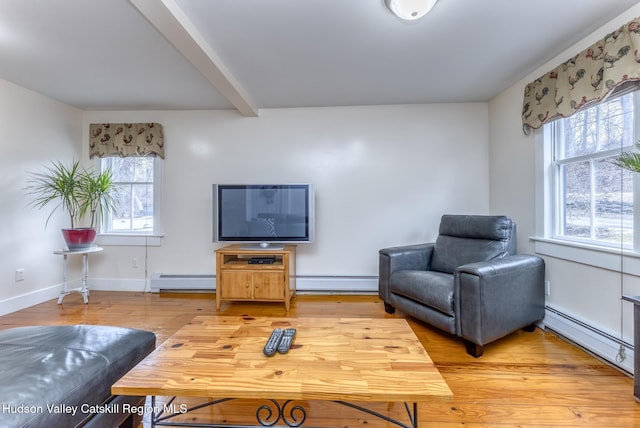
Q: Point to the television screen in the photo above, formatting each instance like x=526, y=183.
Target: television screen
x=263, y=213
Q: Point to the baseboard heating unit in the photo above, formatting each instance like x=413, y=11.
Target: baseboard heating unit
x=590, y=338
x=164, y=282
x=311, y=284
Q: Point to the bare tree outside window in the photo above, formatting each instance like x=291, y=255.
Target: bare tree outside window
x=595, y=196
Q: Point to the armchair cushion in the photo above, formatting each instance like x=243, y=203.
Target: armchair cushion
x=434, y=289
x=464, y=239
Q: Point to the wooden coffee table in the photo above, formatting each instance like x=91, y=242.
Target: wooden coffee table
x=344, y=360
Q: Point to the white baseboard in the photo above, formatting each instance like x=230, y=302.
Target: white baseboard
x=600, y=343
x=26, y=300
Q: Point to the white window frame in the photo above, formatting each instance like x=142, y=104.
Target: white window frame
x=147, y=238
x=591, y=158
x=548, y=242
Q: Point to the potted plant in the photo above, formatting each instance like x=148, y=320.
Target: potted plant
x=82, y=193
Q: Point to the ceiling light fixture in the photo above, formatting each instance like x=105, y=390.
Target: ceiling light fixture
x=410, y=9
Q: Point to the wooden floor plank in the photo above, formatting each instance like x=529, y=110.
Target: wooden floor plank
x=529, y=380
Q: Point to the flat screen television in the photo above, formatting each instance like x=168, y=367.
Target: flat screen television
x=262, y=215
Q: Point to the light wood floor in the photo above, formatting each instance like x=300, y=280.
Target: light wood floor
x=524, y=380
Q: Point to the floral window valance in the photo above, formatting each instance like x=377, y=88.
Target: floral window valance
x=606, y=66
x=126, y=139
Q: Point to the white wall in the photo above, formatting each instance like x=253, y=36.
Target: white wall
x=35, y=130
x=383, y=176
x=589, y=294
x=511, y=165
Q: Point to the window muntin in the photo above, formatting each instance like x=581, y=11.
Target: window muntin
x=594, y=197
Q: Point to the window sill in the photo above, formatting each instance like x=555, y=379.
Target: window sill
x=129, y=240
x=612, y=259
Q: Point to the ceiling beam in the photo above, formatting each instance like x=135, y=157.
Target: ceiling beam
x=167, y=17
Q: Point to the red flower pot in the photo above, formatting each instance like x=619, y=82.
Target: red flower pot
x=78, y=239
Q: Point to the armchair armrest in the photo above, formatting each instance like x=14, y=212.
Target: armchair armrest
x=497, y=297
x=409, y=257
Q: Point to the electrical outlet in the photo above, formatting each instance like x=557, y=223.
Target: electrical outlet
x=19, y=275
x=134, y=263
x=547, y=288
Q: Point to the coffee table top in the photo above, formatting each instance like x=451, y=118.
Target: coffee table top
x=356, y=359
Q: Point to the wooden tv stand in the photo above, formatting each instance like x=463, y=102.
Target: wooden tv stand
x=237, y=279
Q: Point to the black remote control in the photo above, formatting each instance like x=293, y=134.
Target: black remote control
x=273, y=342
x=287, y=340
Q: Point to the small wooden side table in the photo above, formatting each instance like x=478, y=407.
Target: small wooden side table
x=84, y=288
x=636, y=343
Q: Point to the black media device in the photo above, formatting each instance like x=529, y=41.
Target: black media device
x=262, y=260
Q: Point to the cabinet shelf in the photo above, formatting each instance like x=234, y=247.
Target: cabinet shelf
x=234, y=261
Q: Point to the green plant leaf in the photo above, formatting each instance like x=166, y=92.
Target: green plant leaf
x=78, y=191
x=629, y=160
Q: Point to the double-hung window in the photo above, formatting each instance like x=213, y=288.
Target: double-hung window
x=137, y=199
x=592, y=198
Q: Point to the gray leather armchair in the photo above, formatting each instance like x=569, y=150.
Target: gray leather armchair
x=470, y=282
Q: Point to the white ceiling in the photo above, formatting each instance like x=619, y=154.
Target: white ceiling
x=252, y=54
